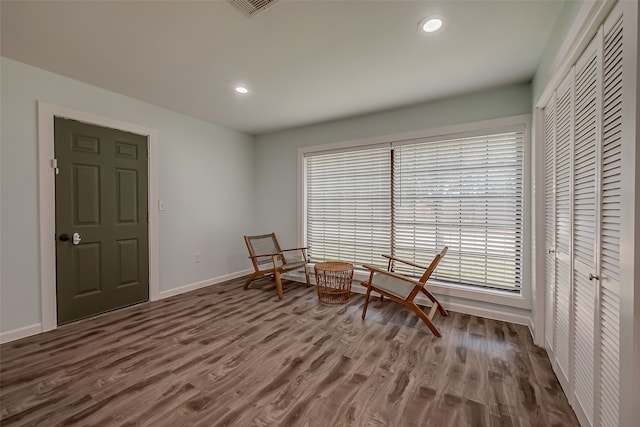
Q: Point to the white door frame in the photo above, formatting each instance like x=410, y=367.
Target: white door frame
x=47, y=205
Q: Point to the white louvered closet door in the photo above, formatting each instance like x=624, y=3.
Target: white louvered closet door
x=583, y=163
x=563, y=242
x=585, y=213
x=609, y=310
x=549, y=227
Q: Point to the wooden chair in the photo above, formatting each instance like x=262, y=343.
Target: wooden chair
x=403, y=290
x=269, y=260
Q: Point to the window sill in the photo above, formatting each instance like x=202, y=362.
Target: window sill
x=493, y=296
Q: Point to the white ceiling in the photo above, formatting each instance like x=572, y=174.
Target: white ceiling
x=305, y=61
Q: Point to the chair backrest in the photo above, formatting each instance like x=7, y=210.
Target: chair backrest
x=433, y=265
x=261, y=248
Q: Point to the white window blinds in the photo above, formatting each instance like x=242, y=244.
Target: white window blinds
x=412, y=200
x=348, y=206
x=466, y=194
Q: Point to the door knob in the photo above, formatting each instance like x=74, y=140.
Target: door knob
x=592, y=277
x=64, y=237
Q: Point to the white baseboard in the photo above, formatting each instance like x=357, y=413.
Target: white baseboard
x=532, y=329
x=204, y=283
x=16, y=334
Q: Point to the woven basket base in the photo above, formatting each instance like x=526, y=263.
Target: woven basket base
x=332, y=296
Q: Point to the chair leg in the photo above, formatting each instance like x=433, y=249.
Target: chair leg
x=433, y=310
x=250, y=279
x=306, y=274
x=433, y=299
x=366, y=302
x=425, y=319
x=279, y=285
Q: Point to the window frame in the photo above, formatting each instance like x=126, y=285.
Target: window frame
x=505, y=124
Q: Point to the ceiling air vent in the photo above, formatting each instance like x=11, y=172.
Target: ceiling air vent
x=253, y=7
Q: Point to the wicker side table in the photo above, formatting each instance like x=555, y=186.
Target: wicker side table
x=333, y=282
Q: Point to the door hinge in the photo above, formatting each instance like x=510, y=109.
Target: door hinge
x=54, y=166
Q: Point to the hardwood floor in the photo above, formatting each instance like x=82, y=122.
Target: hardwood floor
x=223, y=356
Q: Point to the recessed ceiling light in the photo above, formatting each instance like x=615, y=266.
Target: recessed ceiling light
x=241, y=89
x=431, y=24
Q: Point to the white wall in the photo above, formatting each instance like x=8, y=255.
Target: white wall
x=206, y=177
x=277, y=153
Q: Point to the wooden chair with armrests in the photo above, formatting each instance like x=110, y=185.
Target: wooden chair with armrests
x=403, y=289
x=269, y=259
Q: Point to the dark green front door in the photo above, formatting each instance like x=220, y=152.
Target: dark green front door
x=102, y=260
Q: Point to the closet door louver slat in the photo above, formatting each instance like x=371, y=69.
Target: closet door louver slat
x=563, y=294
x=549, y=229
x=587, y=110
x=610, y=226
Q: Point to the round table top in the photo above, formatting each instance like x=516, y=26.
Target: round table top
x=334, y=266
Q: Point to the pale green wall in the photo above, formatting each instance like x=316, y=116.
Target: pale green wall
x=277, y=153
x=205, y=176
x=563, y=24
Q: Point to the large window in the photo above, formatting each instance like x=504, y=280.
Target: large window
x=410, y=199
